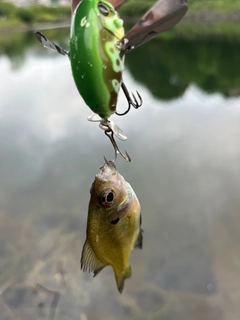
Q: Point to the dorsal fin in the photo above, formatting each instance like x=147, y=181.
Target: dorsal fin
x=96, y=272
x=89, y=260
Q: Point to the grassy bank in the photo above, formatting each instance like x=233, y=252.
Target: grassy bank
x=10, y=15
x=133, y=7
x=205, y=18
x=229, y=31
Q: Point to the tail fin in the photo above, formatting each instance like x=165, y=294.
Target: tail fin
x=120, y=277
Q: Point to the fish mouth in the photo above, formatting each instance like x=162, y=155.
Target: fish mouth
x=107, y=171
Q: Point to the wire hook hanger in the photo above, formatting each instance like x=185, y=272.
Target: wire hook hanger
x=110, y=129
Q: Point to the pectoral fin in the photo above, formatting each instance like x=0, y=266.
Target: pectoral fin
x=89, y=260
x=139, y=241
x=120, y=278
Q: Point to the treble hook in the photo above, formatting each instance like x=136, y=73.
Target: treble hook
x=110, y=128
x=109, y=133
x=131, y=102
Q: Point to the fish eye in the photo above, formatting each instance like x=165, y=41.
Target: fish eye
x=107, y=198
x=103, y=9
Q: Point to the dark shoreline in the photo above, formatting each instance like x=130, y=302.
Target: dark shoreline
x=209, y=18
x=212, y=17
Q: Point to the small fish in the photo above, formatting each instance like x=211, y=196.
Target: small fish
x=114, y=225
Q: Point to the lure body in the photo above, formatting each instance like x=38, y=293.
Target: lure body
x=95, y=60
x=113, y=227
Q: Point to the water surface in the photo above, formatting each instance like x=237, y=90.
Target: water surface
x=184, y=145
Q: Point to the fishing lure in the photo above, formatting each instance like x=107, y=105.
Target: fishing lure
x=97, y=49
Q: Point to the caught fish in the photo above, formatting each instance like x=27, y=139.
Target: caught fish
x=114, y=225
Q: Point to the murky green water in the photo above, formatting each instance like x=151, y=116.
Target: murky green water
x=185, y=148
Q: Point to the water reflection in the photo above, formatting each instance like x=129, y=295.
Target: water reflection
x=16, y=46
x=185, y=171
x=211, y=65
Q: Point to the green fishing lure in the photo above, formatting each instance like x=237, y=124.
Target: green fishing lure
x=96, y=64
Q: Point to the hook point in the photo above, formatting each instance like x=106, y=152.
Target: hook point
x=131, y=101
